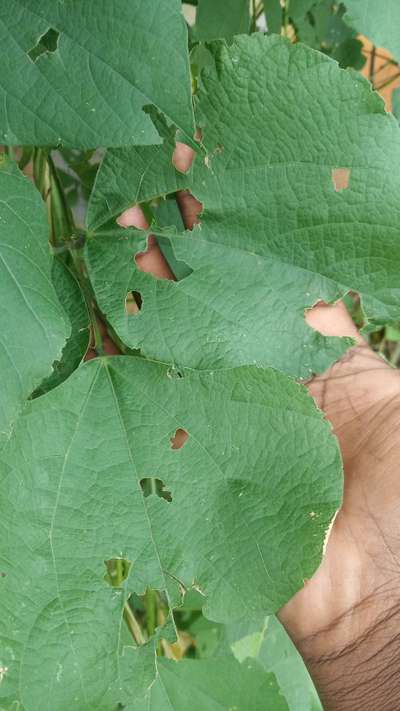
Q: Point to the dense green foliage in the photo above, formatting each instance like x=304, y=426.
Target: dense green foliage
x=166, y=502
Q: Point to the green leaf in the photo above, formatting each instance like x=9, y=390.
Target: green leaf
x=221, y=19
x=130, y=175
x=72, y=299
x=33, y=327
x=246, y=522
x=278, y=654
x=379, y=21
x=212, y=685
x=108, y=64
x=275, y=235
x=265, y=641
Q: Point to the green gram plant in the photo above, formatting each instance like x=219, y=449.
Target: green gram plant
x=159, y=505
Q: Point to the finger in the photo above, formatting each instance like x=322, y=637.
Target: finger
x=190, y=207
x=151, y=260
x=333, y=320
x=183, y=157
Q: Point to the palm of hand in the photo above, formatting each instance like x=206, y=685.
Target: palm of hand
x=358, y=578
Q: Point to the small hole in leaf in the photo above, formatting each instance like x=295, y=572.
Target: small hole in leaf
x=47, y=43
x=117, y=571
x=179, y=438
x=341, y=178
x=133, y=302
x=156, y=487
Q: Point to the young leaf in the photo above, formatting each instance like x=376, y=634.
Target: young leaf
x=277, y=232
x=221, y=19
x=108, y=64
x=379, y=21
x=254, y=482
x=33, y=326
x=212, y=685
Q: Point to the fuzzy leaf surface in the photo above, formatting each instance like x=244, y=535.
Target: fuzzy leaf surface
x=109, y=62
x=33, y=326
x=276, y=234
x=253, y=490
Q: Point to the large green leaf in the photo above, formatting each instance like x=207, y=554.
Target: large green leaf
x=221, y=19
x=110, y=62
x=33, y=327
x=379, y=21
x=253, y=490
x=278, y=122
x=212, y=685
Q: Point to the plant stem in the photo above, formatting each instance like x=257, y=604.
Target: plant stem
x=372, y=65
x=151, y=611
x=133, y=624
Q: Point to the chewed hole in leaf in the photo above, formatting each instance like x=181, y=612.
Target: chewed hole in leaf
x=340, y=178
x=179, y=439
x=117, y=571
x=156, y=487
x=151, y=261
x=133, y=303
x=47, y=43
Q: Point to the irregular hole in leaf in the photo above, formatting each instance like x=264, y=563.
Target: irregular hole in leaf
x=117, y=571
x=152, y=262
x=179, y=439
x=183, y=155
x=150, y=485
x=340, y=178
x=47, y=43
x=174, y=372
x=133, y=302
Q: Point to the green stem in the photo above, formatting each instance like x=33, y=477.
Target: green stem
x=133, y=625
x=151, y=611
x=372, y=65
x=47, y=181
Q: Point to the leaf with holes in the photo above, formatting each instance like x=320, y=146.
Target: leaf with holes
x=86, y=84
x=33, y=327
x=296, y=209
x=251, y=477
x=379, y=21
x=136, y=174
